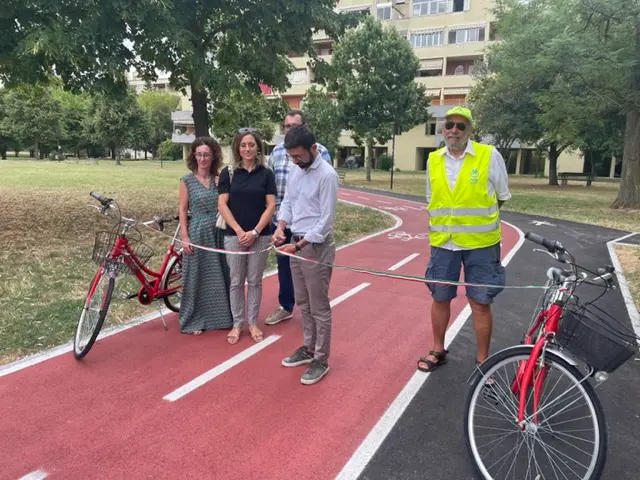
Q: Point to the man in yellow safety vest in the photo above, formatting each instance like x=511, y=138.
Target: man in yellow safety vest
x=466, y=185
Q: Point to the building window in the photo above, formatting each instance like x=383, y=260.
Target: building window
x=458, y=5
x=384, y=12
x=466, y=35
x=430, y=39
x=429, y=7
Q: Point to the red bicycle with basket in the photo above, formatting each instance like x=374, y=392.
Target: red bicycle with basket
x=532, y=411
x=121, y=251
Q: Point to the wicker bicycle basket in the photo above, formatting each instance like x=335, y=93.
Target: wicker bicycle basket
x=103, y=245
x=602, y=343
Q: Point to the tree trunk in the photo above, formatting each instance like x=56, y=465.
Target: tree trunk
x=629, y=192
x=369, y=161
x=3, y=153
x=200, y=113
x=553, y=164
x=117, y=151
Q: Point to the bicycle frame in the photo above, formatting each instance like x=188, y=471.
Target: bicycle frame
x=550, y=318
x=152, y=289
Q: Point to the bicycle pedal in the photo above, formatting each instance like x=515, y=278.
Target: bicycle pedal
x=126, y=295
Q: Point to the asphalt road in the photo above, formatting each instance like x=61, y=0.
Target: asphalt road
x=427, y=442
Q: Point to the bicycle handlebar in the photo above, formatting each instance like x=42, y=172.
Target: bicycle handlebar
x=159, y=220
x=557, y=250
x=552, y=246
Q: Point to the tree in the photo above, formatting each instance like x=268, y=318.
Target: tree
x=116, y=119
x=242, y=107
x=613, y=26
x=206, y=46
x=373, y=73
x=323, y=116
x=33, y=117
x=157, y=107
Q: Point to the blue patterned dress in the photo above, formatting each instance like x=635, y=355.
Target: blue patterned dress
x=205, y=298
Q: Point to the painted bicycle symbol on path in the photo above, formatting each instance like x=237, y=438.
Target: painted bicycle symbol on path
x=405, y=237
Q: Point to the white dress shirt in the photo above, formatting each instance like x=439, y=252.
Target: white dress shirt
x=497, y=181
x=310, y=200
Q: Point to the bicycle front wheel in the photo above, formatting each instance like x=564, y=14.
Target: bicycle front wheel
x=93, y=313
x=565, y=437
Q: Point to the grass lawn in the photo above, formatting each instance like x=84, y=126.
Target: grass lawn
x=630, y=260
x=529, y=195
x=47, y=237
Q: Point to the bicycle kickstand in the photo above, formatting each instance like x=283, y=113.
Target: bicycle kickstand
x=164, y=322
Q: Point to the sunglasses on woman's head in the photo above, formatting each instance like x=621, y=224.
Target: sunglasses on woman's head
x=460, y=125
x=246, y=130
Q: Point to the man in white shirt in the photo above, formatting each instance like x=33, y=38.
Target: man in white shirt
x=466, y=186
x=309, y=210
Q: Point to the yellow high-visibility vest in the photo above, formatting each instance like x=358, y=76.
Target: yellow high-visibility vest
x=468, y=215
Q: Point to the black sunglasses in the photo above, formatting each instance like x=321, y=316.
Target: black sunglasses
x=460, y=125
x=247, y=130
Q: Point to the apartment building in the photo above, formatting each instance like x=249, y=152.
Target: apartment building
x=449, y=38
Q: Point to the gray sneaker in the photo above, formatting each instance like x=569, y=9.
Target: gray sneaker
x=300, y=357
x=278, y=315
x=314, y=373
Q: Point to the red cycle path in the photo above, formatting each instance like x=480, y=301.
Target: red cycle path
x=105, y=417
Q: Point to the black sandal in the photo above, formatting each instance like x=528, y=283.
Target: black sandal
x=431, y=365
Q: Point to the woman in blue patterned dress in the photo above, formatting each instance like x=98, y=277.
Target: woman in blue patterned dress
x=205, y=297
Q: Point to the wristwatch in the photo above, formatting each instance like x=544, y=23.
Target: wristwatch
x=298, y=247
x=255, y=233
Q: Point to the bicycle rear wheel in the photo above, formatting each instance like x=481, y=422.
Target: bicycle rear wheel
x=96, y=306
x=568, y=440
x=173, y=279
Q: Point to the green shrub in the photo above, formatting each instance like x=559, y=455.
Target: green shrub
x=384, y=162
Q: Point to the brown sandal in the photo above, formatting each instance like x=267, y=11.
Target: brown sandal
x=231, y=338
x=431, y=365
x=256, y=334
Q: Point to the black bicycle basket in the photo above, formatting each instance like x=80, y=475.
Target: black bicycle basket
x=595, y=337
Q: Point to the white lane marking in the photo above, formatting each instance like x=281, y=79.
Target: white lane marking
x=348, y=294
x=45, y=355
x=364, y=198
x=403, y=262
x=414, y=208
x=369, y=446
x=345, y=194
x=245, y=354
x=634, y=316
x=219, y=369
x=382, y=201
x=35, y=475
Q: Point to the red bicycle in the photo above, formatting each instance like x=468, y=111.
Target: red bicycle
x=121, y=251
x=532, y=411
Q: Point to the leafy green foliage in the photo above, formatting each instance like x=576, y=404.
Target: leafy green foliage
x=33, y=117
x=323, y=116
x=373, y=75
x=157, y=107
x=208, y=46
x=238, y=108
x=117, y=119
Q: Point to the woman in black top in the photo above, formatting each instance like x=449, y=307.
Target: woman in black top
x=246, y=201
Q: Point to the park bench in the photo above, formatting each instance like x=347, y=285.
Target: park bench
x=341, y=176
x=566, y=176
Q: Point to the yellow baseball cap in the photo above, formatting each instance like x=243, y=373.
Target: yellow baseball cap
x=462, y=111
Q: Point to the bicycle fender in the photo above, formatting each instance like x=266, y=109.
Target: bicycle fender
x=550, y=348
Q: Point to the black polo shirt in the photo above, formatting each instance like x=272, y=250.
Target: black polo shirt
x=247, y=195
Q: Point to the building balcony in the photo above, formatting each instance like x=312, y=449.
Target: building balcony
x=183, y=138
x=446, y=81
x=182, y=117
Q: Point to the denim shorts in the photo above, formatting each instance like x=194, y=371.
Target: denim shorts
x=481, y=265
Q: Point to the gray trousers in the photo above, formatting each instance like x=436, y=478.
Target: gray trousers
x=311, y=286
x=249, y=268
